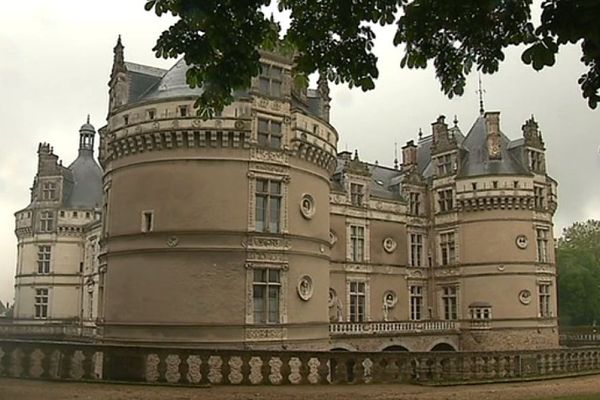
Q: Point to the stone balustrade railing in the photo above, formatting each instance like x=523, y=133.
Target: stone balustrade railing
x=580, y=336
x=92, y=362
x=390, y=327
x=45, y=331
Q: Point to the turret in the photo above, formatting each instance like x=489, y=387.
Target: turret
x=86, y=138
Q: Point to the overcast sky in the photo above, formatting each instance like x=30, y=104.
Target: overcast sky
x=55, y=63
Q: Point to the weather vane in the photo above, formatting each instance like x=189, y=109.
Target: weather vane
x=481, y=91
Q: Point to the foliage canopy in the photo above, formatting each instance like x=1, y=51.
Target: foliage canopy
x=578, y=261
x=220, y=38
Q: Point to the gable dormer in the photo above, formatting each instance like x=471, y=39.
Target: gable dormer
x=444, y=149
x=534, y=146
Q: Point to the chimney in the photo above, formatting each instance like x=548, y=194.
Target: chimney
x=409, y=154
x=440, y=130
x=47, y=160
x=492, y=127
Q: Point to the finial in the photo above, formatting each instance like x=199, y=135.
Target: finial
x=455, y=120
x=395, y=155
x=356, y=154
x=481, y=91
x=88, y=119
x=420, y=133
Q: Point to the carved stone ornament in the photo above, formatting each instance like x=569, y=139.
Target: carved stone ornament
x=389, y=244
x=305, y=288
x=307, y=206
x=525, y=296
x=172, y=241
x=332, y=238
x=332, y=297
x=522, y=241
x=390, y=299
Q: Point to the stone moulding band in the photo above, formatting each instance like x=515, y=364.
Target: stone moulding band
x=72, y=361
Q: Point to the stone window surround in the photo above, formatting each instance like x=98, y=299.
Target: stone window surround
x=144, y=221
x=39, y=260
x=424, y=248
x=270, y=119
x=367, y=241
x=423, y=296
x=439, y=247
x=366, y=280
x=47, y=221
x=284, y=179
x=47, y=304
x=545, y=282
x=548, y=238
x=283, y=268
x=356, y=180
x=441, y=288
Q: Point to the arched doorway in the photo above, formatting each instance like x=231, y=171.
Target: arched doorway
x=395, y=347
x=443, y=347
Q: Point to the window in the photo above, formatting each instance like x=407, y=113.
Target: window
x=542, y=244
x=495, y=184
x=444, y=164
x=151, y=114
x=516, y=184
x=544, y=300
x=416, y=250
x=41, y=303
x=474, y=185
x=49, y=191
x=87, y=214
x=448, y=248
x=270, y=80
x=538, y=197
x=126, y=119
x=445, y=200
x=147, y=221
x=535, y=161
x=46, y=221
x=265, y=293
x=481, y=312
x=268, y=205
x=44, y=253
x=414, y=203
x=183, y=111
x=450, y=300
x=269, y=133
x=62, y=213
x=357, y=194
x=357, y=301
x=75, y=215
x=416, y=303
x=357, y=243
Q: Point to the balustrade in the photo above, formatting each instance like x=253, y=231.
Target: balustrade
x=390, y=327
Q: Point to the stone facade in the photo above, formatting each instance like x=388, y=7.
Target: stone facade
x=249, y=230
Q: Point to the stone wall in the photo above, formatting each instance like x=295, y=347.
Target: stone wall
x=89, y=362
x=508, y=339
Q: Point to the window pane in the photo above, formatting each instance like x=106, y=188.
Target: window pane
x=275, y=127
x=274, y=215
x=260, y=275
x=274, y=275
x=263, y=125
x=275, y=88
x=261, y=212
x=264, y=85
x=275, y=72
x=276, y=142
x=274, y=304
x=275, y=187
x=263, y=139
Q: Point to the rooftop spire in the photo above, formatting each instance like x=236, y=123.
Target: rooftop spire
x=88, y=119
x=118, y=58
x=481, y=91
x=395, y=155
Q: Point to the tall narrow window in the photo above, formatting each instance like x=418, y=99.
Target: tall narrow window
x=444, y=164
x=449, y=298
x=268, y=205
x=445, y=200
x=414, y=203
x=416, y=250
x=49, y=191
x=542, y=244
x=44, y=255
x=183, y=111
x=41, y=303
x=357, y=243
x=46, y=221
x=538, y=197
x=535, y=161
x=416, y=303
x=544, y=300
x=357, y=193
x=270, y=79
x=357, y=301
x=266, y=290
x=269, y=133
x=448, y=248
x=147, y=221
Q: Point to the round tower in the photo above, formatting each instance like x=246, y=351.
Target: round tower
x=216, y=231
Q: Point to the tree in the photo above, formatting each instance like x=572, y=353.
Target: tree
x=220, y=38
x=578, y=260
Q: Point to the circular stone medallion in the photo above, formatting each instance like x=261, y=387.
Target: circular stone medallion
x=522, y=241
x=305, y=288
x=525, y=296
x=307, y=206
x=389, y=244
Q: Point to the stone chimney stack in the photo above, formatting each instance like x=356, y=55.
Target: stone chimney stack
x=492, y=127
x=532, y=134
x=409, y=154
x=47, y=161
x=440, y=130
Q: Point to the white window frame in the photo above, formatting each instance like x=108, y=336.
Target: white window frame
x=541, y=243
x=413, y=261
x=41, y=309
x=367, y=296
x=445, y=201
x=545, y=299
x=47, y=221
x=450, y=302
x=44, y=259
x=450, y=248
x=283, y=290
x=284, y=179
x=145, y=214
x=357, y=194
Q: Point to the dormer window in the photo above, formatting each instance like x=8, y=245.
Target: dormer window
x=49, y=191
x=414, y=203
x=183, y=111
x=445, y=165
x=357, y=193
x=270, y=79
x=536, y=162
x=269, y=133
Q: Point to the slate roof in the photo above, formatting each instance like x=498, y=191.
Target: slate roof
x=3, y=309
x=141, y=78
x=476, y=161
